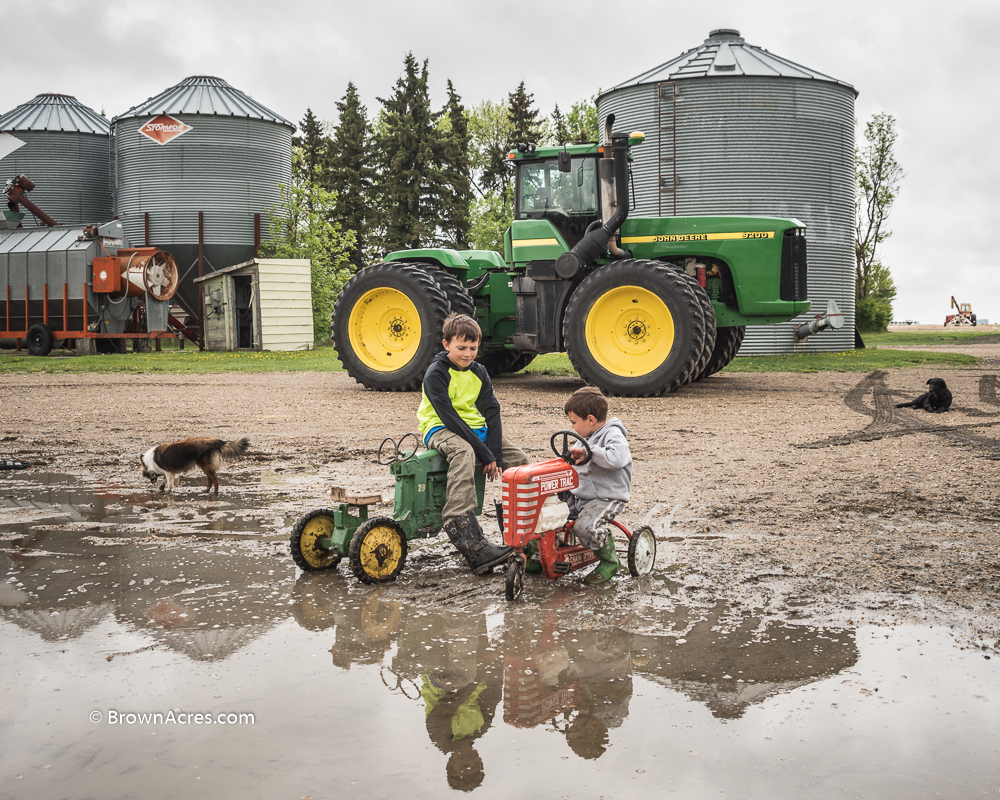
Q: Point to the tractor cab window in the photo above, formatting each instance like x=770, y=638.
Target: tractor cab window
x=569, y=200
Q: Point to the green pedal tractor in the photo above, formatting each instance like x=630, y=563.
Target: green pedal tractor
x=641, y=305
x=376, y=547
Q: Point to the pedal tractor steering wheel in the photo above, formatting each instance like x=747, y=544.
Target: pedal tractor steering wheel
x=564, y=455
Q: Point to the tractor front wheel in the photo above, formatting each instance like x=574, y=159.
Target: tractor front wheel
x=387, y=325
x=378, y=550
x=304, y=541
x=727, y=345
x=635, y=329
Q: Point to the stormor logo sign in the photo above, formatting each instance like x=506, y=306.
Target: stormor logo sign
x=164, y=128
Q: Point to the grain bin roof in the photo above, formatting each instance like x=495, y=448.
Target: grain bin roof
x=725, y=53
x=54, y=112
x=203, y=94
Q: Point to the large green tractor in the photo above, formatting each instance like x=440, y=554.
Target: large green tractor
x=642, y=305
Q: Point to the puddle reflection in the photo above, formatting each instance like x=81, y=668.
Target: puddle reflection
x=442, y=673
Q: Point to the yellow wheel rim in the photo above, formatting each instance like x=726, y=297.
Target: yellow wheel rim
x=384, y=328
x=630, y=331
x=315, y=529
x=381, y=552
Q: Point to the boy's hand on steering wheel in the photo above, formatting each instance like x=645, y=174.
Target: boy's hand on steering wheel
x=577, y=454
x=492, y=470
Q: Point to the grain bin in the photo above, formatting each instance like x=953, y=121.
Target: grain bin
x=733, y=129
x=65, y=154
x=195, y=170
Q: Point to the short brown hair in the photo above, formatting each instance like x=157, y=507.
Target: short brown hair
x=461, y=326
x=586, y=402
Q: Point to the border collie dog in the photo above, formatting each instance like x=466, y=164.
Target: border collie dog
x=169, y=461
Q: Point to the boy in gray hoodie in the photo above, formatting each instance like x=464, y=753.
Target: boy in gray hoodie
x=605, y=481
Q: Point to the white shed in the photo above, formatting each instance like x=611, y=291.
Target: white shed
x=262, y=304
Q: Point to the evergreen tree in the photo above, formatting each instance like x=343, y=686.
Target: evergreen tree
x=408, y=140
x=314, y=162
x=350, y=174
x=523, y=118
x=456, y=199
x=560, y=131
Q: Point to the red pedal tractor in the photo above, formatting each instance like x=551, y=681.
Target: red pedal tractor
x=532, y=512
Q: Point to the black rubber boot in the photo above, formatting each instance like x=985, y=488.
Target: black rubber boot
x=481, y=555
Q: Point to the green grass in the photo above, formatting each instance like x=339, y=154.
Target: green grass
x=188, y=361
x=324, y=359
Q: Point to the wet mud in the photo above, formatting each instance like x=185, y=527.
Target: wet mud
x=820, y=620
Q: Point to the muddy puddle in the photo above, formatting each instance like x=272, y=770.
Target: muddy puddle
x=164, y=647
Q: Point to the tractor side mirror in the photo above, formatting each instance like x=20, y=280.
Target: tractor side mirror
x=565, y=161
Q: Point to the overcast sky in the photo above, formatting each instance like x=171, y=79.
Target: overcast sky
x=928, y=64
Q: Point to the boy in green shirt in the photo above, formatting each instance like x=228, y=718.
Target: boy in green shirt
x=459, y=416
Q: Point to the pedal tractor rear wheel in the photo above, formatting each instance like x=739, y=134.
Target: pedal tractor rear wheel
x=515, y=578
x=304, y=541
x=641, y=551
x=378, y=550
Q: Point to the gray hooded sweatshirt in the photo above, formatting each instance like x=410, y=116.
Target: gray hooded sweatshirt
x=608, y=474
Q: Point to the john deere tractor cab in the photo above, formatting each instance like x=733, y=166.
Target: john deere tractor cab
x=641, y=305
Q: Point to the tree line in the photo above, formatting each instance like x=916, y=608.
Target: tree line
x=409, y=176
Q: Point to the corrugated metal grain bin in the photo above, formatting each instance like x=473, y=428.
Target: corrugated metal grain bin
x=65, y=153
x=262, y=304
x=199, y=163
x=733, y=129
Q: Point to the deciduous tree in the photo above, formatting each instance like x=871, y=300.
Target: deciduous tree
x=878, y=176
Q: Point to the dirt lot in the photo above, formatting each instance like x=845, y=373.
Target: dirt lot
x=803, y=496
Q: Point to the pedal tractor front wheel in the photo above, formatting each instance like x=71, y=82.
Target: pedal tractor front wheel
x=304, y=541
x=515, y=577
x=641, y=551
x=378, y=550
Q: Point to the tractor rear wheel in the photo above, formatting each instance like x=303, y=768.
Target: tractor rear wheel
x=499, y=362
x=727, y=345
x=635, y=329
x=387, y=325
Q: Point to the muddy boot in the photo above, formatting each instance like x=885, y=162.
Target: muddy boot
x=481, y=555
x=609, y=565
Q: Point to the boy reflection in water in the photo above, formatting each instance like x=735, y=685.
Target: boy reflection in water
x=455, y=719
x=460, y=686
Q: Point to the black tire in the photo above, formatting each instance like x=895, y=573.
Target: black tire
x=387, y=325
x=500, y=362
x=515, y=578
x=306, y=553
x=642, y=352
x=641, y=551
x=378, y=550
x=727, y=345
x=40, y=339
x=457, y=296
x=710, y=329
x=524, y=358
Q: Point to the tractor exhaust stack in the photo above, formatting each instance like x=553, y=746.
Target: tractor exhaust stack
x=598, y=239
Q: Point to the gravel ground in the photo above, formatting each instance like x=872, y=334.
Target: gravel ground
x=801, y=496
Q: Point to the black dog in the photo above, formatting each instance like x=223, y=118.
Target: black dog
x=937, y=400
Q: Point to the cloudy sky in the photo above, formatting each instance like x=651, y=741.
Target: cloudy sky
x=926, y=63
